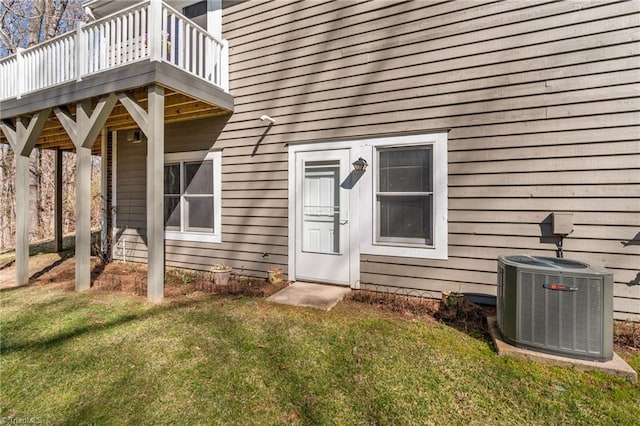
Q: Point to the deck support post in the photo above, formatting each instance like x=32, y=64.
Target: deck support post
x=155, y=194
x=22, y=219
x=83, y=218
x=57, y=208
x=22, y=136
x=151, y=123
x=83, y=131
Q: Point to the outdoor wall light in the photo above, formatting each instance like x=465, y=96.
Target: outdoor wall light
x=134, y=136
x=267, y=119
x=360, y=165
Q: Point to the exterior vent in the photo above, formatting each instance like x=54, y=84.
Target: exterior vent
x=558, y=306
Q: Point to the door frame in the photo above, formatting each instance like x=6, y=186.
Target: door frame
x=354, y=208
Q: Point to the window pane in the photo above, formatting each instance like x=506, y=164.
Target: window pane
x=172, y=179
x=172, y=211
x=405, y=218
x=199, y=177
x=199, y=213
x=405, y=170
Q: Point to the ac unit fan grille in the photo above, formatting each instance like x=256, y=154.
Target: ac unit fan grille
x=565, y=320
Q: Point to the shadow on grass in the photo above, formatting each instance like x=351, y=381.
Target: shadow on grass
x=60, y=338
x=7, y=264
x=63, y=256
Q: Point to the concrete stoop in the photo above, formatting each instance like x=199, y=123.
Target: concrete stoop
x=319, y=296
x=616, y=367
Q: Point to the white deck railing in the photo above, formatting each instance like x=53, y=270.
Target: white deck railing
x=150, y=30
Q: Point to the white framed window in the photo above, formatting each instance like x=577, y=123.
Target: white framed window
x=192, y=196
x=404, y=196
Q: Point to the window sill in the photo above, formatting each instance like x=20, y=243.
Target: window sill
x=425, y=252
x=192, y=236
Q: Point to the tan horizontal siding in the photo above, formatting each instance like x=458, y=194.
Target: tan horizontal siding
x=474, y=276
x=453, y=58
x=130, y=200
x=541, y=100
x=519, y=77
x=615, y=233
x=389, y=43
x=575, y=150
x=579, y=177
x=582, y=190
x=579, y=218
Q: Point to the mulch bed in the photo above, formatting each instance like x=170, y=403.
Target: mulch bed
x=131, y=278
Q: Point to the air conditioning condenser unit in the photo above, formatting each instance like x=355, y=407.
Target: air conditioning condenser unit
x=558, y=306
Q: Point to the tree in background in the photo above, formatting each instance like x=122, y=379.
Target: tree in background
x=25, y=23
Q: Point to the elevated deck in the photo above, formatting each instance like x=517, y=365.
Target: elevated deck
x=141, y=67
x=147, y=43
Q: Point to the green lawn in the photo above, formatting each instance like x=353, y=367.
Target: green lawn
x=70, y=358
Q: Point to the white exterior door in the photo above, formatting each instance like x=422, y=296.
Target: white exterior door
x=322, y=216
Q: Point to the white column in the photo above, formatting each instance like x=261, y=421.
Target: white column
x=83, y=218
x=224, y=66
x=81, y=51
x=155, y=30
x=20, y=73
x=22, y=219
x=57, y=208
x=155, y=194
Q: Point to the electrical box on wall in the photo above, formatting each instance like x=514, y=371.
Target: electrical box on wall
x=562, y=223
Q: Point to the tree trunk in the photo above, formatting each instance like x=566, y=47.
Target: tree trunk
x=35, y=22
x=54, y=17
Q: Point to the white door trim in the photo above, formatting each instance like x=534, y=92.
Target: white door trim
x=354, y=214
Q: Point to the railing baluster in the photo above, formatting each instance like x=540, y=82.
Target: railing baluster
x=208, y=58
x=95, y=47
x=23, y=72
x=180, y=43
x=201, y=54
x=50, y=65
x=80, y=51
x=187, y=46
x=99, y=46
x=165, y=35
x=136, y=32
x=58, y=56
x=41, y=68
x=143, y=32
x=118, y=41
x=89, y=58
x=194, y=52
x=130, y=39
x=63, y=60
x=111, y=44
x=174, y=39
x=47, y=66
